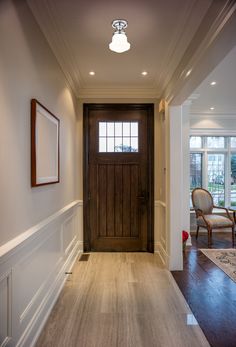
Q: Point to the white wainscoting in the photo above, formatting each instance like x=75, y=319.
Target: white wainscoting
x=160, y=236
x=32, y=273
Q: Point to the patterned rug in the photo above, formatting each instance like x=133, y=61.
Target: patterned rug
x=225, y=259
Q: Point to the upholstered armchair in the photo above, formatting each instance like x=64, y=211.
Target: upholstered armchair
x=203, y=206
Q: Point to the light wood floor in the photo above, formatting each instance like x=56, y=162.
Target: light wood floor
x=121, y=300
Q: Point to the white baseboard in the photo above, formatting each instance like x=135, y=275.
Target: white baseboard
x=32, y=274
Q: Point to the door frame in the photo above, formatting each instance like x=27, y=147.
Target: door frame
x=150, y=138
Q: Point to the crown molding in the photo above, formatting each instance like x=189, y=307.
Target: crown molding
x=212, y=132
x=124, y=93
x=202, y=46
x=196, y=115
x=52, y=32
x=177, y=46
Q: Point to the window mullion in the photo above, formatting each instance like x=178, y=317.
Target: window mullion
x=228, y=175
x=205, y=170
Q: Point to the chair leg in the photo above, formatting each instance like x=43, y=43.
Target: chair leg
x=233, y=236
x=197, y=232
x=209, y=237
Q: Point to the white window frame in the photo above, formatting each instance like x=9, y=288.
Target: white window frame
x=227, y=151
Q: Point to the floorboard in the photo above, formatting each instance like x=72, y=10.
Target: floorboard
x=210, y=293
x=121, y=300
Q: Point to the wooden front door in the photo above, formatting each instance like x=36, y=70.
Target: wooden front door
x=118, y=177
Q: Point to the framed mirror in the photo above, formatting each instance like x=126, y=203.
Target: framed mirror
x=45, y=138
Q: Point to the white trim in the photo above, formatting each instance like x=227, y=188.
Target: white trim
x=33, y=331
x=160, y=203
x=124, y=93
x=39, y=260
x=12, y=246
x=209, y=115
x=212, y=132
x=159, y=249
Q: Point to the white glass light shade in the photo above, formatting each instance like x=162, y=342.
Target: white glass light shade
x=119, y=43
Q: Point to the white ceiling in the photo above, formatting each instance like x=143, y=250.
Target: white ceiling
x=221, y=96
x=79, y=32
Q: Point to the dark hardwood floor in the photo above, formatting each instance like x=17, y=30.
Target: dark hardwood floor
x=210, y=293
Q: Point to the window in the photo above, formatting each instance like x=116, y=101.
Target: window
x=213, y=167
x=195, y=170
x=216, y=178
x=233, y=180
x=118, y=137
x=195, y=142
x=215, y=142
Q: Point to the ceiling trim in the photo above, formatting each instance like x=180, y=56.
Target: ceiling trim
x=216, y=19
x=210, y=132
x=195, y=115
x=176, y=49
x=46, y=21
x=126, y=93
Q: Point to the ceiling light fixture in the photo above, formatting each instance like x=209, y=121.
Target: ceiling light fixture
x=212, y=108
x=213, y=83
x=92, y=73
x=144, y=73
x=119, y=43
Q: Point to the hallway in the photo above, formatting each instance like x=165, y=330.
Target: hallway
x=121, y=299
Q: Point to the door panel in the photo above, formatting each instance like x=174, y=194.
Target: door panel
x=118, y=184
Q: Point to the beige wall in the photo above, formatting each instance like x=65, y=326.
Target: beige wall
x=28, y=70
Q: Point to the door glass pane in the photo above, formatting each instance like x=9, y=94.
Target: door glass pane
x=102, y=144
x=102, y=129
x=118, y=144
x=110, y=144
x=134, y=129
x=126, y=144
x=216, y=178
x=195, y=142
x=233, y=181
x=195, y=172
x=118, y=129
x=110, y=129
x=126, y=129
x=215, y=142
x=134, y=144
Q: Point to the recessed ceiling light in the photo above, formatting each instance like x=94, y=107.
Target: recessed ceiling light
x=144, y=73
x=188, y=73
x=213, y=83
x=92, y=73
x=212, y=108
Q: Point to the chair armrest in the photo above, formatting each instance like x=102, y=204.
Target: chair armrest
x=227, y=212
x=199, y=213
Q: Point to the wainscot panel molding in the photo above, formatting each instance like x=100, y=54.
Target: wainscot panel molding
x=162, y=253
x=160, y=232
x=33, y=270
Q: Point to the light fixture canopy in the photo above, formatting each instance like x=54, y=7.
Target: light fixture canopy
x=119, y=43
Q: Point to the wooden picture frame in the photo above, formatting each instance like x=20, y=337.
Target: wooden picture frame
x=45, y=146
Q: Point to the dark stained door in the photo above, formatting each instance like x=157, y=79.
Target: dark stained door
x=118, y=177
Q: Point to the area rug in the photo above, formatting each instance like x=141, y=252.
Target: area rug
x=225, y=259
